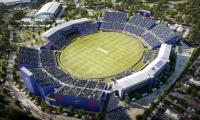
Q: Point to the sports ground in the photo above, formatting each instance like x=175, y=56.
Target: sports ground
x=100, y=55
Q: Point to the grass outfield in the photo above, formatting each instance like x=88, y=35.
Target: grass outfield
x=100, y=55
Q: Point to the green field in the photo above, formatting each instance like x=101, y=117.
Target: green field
x=100, y=55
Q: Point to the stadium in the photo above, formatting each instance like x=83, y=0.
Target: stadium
x=80, y=57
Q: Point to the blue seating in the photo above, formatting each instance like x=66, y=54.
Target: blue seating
x=151, y=40
x=113, y=16
x=60, y=75
x=112, y=26
x=142, y=22
x=146, y=56
x=134, y=30
x=114, y=21
x=43, y=79
x=47, y=58
x=163, y=32
x=29, y=56
x=61, y=42
x=85, y=29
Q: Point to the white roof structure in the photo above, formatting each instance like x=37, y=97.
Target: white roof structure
x=164, y=51
x=50, y=7
x=25, y=70
x=194, y=82
x=133, y=79
x=62, y=26
x=154, y=67
x=12, y=2
x=147, y=73
x=172, y=115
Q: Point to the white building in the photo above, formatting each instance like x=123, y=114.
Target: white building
x=49, y=10
x=145, y=76
x=13, y=2
x=194, y=82
x=172, y=115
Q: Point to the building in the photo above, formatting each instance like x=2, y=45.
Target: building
x=194, y=82
x=146, y=76
x=172, y=115
x=145, y=13
x=13, y=2
x=49, y=10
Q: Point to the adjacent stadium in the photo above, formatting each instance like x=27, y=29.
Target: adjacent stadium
x=106, y=53
x=72, y=68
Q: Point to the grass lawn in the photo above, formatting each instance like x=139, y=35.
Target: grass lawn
x=100, y=55
x=151, y=58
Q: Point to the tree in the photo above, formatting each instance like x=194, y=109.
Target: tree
x=53, y=19
x=30, y=94
x=5, y=91
x=146, y=113
x=33, y=36
x=81, y=112
x=3, y=9
x=127, y=99
x=38, y=100
x=71, y=111
x=194, y=92
x=139, y=117
x=83, y=12
x=19, y=14
x=59, y=109
x=17, y=102
x=98, y=116
x=4, y=37
x=39, y=32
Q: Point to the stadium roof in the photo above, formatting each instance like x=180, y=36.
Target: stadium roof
x=25, y=70
x=154, y=67
x=12, y=2
x=50, y=7
x=164, y=51
x=133, y=80
x=62, y=26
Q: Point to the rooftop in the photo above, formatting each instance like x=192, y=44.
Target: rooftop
x=49, y=7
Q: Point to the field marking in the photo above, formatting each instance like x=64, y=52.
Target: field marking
x=102, y=50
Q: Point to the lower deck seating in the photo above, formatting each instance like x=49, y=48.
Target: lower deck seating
x=151, y=40
x=147, y=55
x=134, y=30
x=112, y=26
x=86, y=29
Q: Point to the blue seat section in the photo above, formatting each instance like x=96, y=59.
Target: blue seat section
x=134, y=30
x=142, y=22
x=85, y=29
x=113, y=21
x=113, y=16
x=164, y=33
x=29, y=57
x=151, y=40
x=146, y=56
x=48, y=58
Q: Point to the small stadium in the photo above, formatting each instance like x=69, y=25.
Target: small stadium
x=84, y=63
